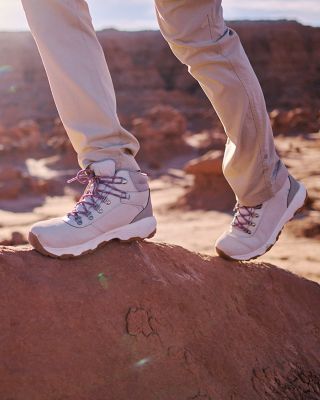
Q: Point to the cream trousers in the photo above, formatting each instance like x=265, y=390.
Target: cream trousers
x=83, y=91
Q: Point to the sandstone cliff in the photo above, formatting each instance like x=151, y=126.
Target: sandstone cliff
x=147, y=321
x=285, y=55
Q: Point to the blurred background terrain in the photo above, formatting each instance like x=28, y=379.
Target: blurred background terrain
x=182, y=140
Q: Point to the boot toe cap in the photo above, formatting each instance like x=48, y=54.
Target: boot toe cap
x=53, y=232
x=230, y=247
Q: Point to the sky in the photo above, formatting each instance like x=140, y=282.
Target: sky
x=139, y=14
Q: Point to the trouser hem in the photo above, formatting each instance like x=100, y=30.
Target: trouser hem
x=123, y=161
x=266, y=193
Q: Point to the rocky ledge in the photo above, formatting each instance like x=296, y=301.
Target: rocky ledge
x=149, y=321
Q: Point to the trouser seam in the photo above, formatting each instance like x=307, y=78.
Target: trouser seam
x=268, y=185
x=209, y=24
x=250, y=105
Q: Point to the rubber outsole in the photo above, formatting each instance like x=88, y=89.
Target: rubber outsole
x=226, y=257
x=35, y=243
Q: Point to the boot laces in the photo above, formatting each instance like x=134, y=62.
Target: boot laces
x=97, y=191
x=243, y=217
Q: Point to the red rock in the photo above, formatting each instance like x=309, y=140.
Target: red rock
x=29, y=133
x=16, y=239
x=307, y=227
x=298, y=120
x=40, y=186
x=15, y=183
x=25, y=135
x=11, y=182
x=59, y=142
x=161, y=135
x=156, y=322
x=284, y=54
x=210, y=190
x=207, y=140
x=210, y=164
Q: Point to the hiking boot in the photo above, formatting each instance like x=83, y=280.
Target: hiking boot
x=254, y=230
x=115, y=205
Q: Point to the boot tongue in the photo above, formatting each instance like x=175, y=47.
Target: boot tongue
x=104, y=168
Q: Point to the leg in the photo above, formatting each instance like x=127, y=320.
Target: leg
x=116, y=202
x=267, y=197
x=198, y=36
x=80, y=81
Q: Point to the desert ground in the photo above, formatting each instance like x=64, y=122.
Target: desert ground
x=298, y=249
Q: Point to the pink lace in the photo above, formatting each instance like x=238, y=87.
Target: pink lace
x=94, y=193
x=243, y=217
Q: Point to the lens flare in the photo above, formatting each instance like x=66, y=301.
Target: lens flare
x=142, y=362
x=102, y=280
x=12, y=89
x=4, y=69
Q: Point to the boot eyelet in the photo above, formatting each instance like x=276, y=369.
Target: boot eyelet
x=124, y=181
x=249, y=232
x=253, y=224
x=256, y=215
x=79, y=221
x=108, y=202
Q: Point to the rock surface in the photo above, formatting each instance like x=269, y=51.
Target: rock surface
x=149, y=321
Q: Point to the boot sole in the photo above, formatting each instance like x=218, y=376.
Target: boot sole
x=138, y=231
x=269, y=247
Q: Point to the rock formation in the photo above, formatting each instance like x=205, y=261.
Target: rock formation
x=161, y=135
x=295, y=121
x=210, y=190
x=308, y=227
x=148, y=321
x=21, y=137
x=301, y=155
x=15, y=182
x=59, y=142
x=284, y=54
x=16, y=239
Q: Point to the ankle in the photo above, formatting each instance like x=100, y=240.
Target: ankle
x=128, y=162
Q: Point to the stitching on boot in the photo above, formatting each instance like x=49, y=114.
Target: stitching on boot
x=294, y=187
x=146, y=212
x=139, y=181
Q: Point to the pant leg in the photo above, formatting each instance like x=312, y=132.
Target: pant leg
x=198, y=36
x=80, y=81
